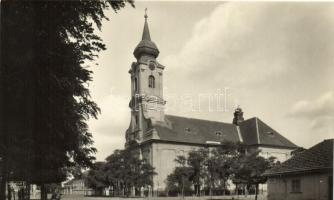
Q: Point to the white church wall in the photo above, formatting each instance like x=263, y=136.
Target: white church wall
x=164, y=155
x=281, y=154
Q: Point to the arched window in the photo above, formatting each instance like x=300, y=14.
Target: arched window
x=136, y=85
x=151, y=81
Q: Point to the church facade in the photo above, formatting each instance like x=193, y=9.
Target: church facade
x=161, y=137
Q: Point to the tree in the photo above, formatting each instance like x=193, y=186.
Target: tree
x=96, y=178
x=124, y=170
x=250, y=168
x=45, y=102
x=145, y=175
x=196, y=161
x=211, y=166
x=179, y=180
x=221, y=163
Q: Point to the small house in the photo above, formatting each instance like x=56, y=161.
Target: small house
x=308, y=175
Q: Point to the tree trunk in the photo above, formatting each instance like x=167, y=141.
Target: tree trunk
x=3, y=180
x=198, y=190
x=210, y=192
x=3, y=188
x=211, y=186
x=256, y=190
x=43, y=192
x=224, y=186
x=27, y=192
x=2, y=121
x=182, y=191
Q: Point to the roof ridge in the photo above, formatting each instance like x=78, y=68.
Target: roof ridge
x=249, y=119
x=276, y=132
x=308, y=156
x=252, y=118
x=201, y=119
x=257, y=130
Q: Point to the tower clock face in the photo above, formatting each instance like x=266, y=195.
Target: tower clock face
x=151, y=65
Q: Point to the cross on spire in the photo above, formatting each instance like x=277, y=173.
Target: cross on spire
x=145, y=14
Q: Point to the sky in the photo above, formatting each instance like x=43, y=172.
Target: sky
x=273, y=59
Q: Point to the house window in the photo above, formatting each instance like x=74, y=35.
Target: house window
x=151, y=81
x=270, y=133
x=219, y=133
x=136, y=85
x=295, y=185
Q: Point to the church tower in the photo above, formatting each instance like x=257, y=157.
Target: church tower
x=147, y=103
x=238, y=116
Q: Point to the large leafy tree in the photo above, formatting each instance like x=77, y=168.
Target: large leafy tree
x=178, y=181
x=221, y=164
x=197, y=162
x=113, y=171
x=95, y=177
x=215, y=166
x=250, y=168
x=124, y=170
x=45, y=101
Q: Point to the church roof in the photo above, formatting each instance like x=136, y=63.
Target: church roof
x=189, y=130
x=254, y=131
x=199, y=131
x=317, y=158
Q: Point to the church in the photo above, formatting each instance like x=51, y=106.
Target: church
x=161, y=137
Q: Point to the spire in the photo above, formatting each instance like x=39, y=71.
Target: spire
x=146, y=46
x=146, y=31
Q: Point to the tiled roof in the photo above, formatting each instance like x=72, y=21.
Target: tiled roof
x=318, y=157
x=248, y=131
x=198, y=131
x=254, y=131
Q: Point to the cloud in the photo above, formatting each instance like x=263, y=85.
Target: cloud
x=310, y=109
x=109, y=130
x=268, y=54
x=318, y=111
x=247, y=43
x=222, y=46
x=262, y=52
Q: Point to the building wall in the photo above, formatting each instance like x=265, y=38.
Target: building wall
x=312, y=187
x=281, y=154
x=162, y=156
x=76, y=187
